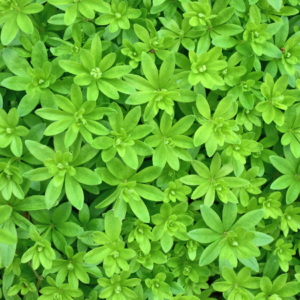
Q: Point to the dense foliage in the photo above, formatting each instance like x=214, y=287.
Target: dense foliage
x=150, y=150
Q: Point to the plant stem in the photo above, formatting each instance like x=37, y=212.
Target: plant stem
x=39, y=277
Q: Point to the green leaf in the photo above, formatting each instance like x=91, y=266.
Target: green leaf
x=41, y=152
x=140, y=210
x=271, y=50
x=282, y=165
x=204, y=235
x=69, y=229
x=7, y=238
x=74, y=192
x=276, y=4
x=149, y=192
x=150, y=70
x=95, y=256
x=181, y=126
x=271, y=267
x=39, y=55
x=147, y=175
x=255, y=15
x=166, y=242
x=5, y=212
x=211, y=219
x=251, y=263
x=16, y=64
x=52, y=194
x=31, y=203
x=112, y=225
x=261, y=239
x=8, y=251
x=9, y=30
x=290, y=289
x=86, y=154
x=62, y=213
x=229, y=215
x=28, y=104
x=72, y=67
x=249, y=220
x=16, y=83
x=86, y=176
x=167, y=69
x=210, y=253
x=39, y=174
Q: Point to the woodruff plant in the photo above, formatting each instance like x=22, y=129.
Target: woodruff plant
x=150, y=150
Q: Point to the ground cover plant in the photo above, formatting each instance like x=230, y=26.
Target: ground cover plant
x=150, y=149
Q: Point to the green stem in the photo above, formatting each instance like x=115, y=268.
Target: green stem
x=39, y=277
